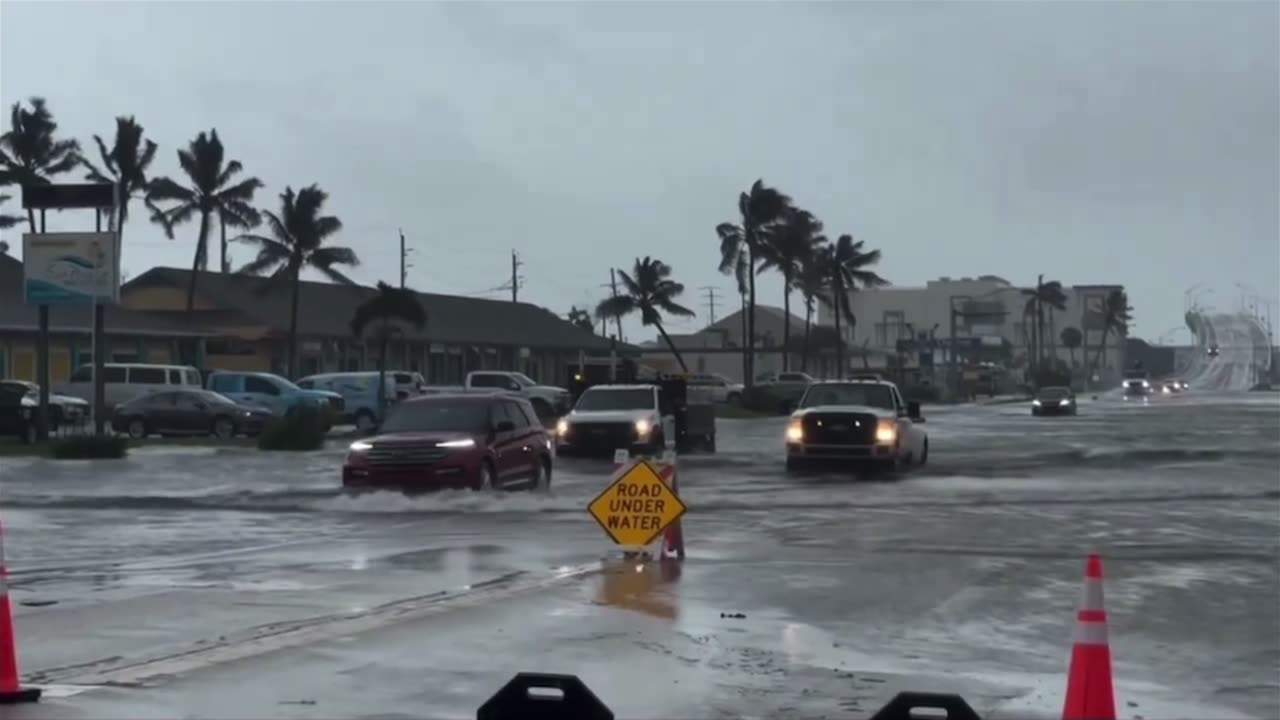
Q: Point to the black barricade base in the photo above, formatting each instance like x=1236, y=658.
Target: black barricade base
x=544, y=696
x=905, y=705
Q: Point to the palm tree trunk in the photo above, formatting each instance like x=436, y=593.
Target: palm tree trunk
x=1102, y=348
x=31, y=220
x=746, y=368
x=786, y=321
x=293, y=322
x=198, y=261
x=667, y=339
x=751, y=316
x=804, y=349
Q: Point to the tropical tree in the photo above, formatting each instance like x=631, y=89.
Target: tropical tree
x=1116, y=316
x=650, y=290
x=581, y=318
x=30, y=152
x=298, y=235
x=386, y=312
x=811, y=281
x=790, y=244
x=1044, y=294
x=740, y=245
x=846, y=265
x=124, y=166
x=1072, y=339
x=210, y=192
x=8, y=221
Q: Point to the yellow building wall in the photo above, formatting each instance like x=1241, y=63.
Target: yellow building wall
x=162, y=298
x=20, y=354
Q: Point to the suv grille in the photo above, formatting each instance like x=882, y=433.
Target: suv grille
x=405, y=454
x=839, y=429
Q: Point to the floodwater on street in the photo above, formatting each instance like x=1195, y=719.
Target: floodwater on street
x=163, y=583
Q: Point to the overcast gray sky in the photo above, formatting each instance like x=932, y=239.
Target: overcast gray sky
x=1134, y=143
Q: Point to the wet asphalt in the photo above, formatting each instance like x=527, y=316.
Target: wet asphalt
x=168, y=583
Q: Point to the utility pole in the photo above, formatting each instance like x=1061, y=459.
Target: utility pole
x=404, y=261
x=711, y=303
x=515, y=275
x=613, y=288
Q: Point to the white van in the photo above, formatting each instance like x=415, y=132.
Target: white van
x=125, y=381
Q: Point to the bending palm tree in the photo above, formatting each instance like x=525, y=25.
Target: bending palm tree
x=652, y=292
x=1045, y=293
x=8, y=221
x=210, y=192
x=811, y=281
x=1116, y=315
x=299, y=233
x=390, y=305
x=845, y=264
x=740, y=244
x=30, y=153
x=125, y=167
x=786, y=249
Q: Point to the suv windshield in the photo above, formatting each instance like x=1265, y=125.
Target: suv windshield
x=601, y=399
x=439, y=415
x=868, y=394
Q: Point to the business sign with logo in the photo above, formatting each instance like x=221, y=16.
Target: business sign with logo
x=71, y=268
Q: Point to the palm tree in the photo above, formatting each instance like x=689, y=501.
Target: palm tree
x=210, y=192
x=785, y=249
x=1072, y=339
x=1116, y=315
x=389, y=306
x=650, y=290
x=299, y=233
x=1045, y=293
x=125, y=166
x=8, y=221
x=758, y=209
x=846, y=273
x=582, y=319
x=811, y=281
x=30, y=153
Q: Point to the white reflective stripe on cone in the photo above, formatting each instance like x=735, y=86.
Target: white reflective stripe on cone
x=1090, y=633
x=1091, y=595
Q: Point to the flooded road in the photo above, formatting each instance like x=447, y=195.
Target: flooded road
x=165, y=583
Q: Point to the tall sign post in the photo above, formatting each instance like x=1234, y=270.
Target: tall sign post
x=71, y=268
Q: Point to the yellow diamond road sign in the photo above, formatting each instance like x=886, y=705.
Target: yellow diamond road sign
x=636, y=507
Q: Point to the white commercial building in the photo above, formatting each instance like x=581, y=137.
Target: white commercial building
x=989, y=323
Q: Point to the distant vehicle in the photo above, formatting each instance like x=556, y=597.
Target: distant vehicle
x=17, y=414
x=272, y=392
x=125, y=381
x=715, y=387
x=359, y=392
x=1169, y=387
x=549, y=401
x=1214, y=351
x=63, y=409
x=480, y=441
x=859, y=423
x=188, y=412
x=608, y=417
x=1137, y=387
x=1054, y=400
x=787, y=387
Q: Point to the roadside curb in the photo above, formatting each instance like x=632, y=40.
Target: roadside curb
x=264, y=639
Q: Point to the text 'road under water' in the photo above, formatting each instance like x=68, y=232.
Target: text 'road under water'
x=637, y=507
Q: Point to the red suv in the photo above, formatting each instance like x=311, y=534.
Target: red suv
x=472, y=440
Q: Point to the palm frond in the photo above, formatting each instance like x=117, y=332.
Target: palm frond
x=615, y=307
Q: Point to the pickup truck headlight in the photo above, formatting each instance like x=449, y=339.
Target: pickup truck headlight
x=795, y=432
x=643, y=427
x=562, y=428
x=886, y=431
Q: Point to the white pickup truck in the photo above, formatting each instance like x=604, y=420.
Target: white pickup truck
x=547, y=400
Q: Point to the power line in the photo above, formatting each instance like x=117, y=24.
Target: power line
x=711, y=303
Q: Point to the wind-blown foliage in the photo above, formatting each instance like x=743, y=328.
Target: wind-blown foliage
x=740, y=247
x=124, y=165
x=581, y=318
x=811, y=281
x=298, y=235
x=788, y=245
x=388, y=308
x=1072, y=339
x=30, y=151
x=846, y=266
x=651, y=292
x=211, y=191
x=8, y=221
x=1116, y=316
x=1044, y=294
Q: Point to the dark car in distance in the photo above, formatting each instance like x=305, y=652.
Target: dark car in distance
x=187, y=412
x=1054, y=401
x=478, y=441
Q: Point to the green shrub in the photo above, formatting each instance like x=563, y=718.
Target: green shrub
x=300, y=429
x=88, y=447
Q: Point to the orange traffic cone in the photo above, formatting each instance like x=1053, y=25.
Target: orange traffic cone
x=10, y=691
x=1090, y=694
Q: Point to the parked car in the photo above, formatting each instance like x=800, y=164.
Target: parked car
x=481, y=441
x=272, y=392
x=17, y=414
x=63, y=409
x=786, y=387
x=125, y=381
x=188, y=412
x=359, y=391
x=715, y=387
x=1055, y=400
x=548, y=400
